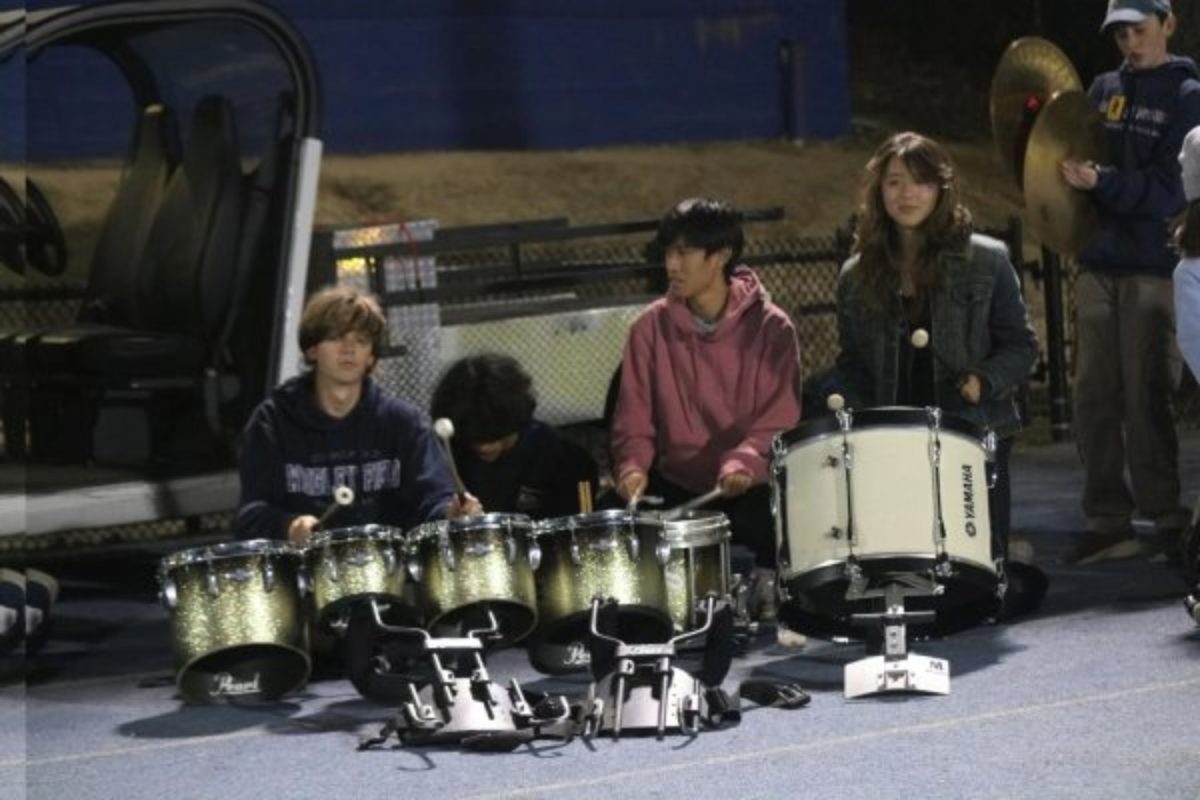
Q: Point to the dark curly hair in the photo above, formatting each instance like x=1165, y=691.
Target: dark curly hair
x=487, y=397
x=876, y=239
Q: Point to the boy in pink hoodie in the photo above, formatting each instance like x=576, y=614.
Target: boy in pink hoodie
x=711, y=373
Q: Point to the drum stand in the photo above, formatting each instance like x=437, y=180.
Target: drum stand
x=645, y=692
x=453, y=708
x=897, y=670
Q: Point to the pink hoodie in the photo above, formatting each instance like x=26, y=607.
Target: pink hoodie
x=707, y=404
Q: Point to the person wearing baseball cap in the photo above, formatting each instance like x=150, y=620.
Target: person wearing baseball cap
x=1135, y=11
x=1125, y=365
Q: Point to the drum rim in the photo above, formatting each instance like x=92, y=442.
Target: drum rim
x=605, y=516
x=228, y=550
x=369, y=532
x=706, y=528
x=969, y=564
x=880, y=417
x=491, y=520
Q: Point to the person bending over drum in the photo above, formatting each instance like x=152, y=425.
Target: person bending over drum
x=512, y=462
x=711, y=373
x=332, y=428
x=918, y=269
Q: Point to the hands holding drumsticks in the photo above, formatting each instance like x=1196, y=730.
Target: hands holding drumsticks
x=463, y=504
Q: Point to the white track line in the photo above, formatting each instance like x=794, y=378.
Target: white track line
x=758, y=755
x=618, y=776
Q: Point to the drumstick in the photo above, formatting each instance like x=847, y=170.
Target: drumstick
x=444, y=429
x=681, y=509
x=585, y=497
x=342, y=496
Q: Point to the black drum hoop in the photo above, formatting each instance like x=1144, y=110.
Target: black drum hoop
x=883, y=417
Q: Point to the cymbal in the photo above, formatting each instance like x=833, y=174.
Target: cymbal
x=1068, y=127
x=1030, y=72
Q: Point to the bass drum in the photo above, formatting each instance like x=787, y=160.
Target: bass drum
x=872, y=497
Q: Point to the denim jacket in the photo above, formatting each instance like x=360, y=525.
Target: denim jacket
x=979, y=323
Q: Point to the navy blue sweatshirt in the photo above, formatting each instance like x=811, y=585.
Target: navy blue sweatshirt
x=294, y=455
x=1146, y=115
x=539, y=476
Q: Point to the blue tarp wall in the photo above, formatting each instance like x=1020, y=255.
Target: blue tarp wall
x=468, y=74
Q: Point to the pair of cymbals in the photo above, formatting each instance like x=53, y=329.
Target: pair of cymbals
x=1040, y=118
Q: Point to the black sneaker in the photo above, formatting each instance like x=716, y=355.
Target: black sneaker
x=1094, y=547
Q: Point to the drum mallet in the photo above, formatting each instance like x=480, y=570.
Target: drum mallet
x=835, y=402
x=444, y=429
x=342, y=496
x=681, y=509
x=920, y=341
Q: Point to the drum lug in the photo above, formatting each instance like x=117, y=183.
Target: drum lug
x=573, y=548
x=510, y=546
x=268, y=574
x=448, y=554
x=414, y=568
x=389, y=561
x=535, y=553
x=331, y=566
x=211, y=584
x=168, y=595
x=633, y=545
x=663, y=552
x=989, y=446
x=302, y=583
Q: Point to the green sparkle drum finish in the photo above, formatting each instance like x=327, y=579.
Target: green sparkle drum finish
x=698, y=566
x=236, y=621
x=466, y=567
x=604, y=554
x=346, y=565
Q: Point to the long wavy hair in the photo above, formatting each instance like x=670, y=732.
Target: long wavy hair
x=876, y=238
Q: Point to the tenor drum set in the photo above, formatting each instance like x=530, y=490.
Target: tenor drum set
x=242, y=614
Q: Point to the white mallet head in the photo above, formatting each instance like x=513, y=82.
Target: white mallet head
x=919, y=338
x=835, y=402
x=444, y=428
x=343, y=495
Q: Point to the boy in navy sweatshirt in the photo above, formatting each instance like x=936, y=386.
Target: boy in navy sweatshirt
x=331, y=427
x=1125, y=364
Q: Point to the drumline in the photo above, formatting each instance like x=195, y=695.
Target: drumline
x=858, y=499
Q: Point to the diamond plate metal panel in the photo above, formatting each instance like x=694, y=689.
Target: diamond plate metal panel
x=571, y=355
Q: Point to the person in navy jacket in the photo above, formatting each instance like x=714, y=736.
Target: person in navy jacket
x=332, y=427
x=1125, y=364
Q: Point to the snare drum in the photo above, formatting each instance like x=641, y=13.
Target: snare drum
x=350, y=564
x=237, y=621
x=861, y=498
x=698, y=566
x=463, y=566
x=603, y=554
